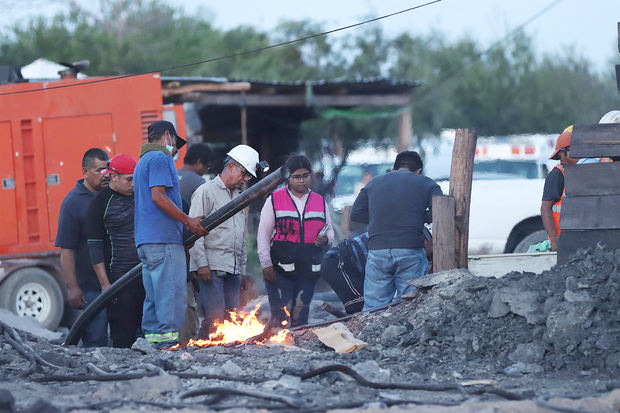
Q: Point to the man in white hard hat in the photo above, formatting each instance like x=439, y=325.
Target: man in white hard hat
x=220, y=258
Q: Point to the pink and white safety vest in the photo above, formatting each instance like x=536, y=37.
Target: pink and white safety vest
x=290, y=225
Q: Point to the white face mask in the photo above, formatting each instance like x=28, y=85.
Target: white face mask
x=170, y=149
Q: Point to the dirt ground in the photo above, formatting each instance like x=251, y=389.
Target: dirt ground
x=519, y=343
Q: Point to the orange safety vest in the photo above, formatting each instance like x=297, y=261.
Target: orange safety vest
x=556, y=209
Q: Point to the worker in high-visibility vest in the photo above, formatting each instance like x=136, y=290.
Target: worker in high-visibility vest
x=553, y=192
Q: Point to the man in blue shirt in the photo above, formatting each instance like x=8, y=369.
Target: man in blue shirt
x=158, y=224
x=395, y=206
x=82, y=284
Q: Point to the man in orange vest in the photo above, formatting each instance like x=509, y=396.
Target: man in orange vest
x=553, y=192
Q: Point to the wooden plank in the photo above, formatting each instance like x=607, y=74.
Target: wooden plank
x=590, y=141
x=592, y=179
x=444, y=233
x=497, y=265
x=167, y=91
x=590, y=212
x=461, y=174
x=235, y=99
x=571, y=241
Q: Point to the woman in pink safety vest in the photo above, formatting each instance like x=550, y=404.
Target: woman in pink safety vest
x=294, y=225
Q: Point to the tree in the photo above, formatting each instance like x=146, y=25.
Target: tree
x=507, y=89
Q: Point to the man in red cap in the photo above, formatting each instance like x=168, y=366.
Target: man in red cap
x=112, y=248
x=553, y=193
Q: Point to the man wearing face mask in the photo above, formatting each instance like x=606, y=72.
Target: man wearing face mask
x=158, y=226
x=220, y=258
x=111, y=244
x=82, y=285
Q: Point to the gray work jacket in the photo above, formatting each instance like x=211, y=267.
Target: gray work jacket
x=224, y=248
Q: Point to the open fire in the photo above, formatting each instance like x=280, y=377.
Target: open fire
x=242, y=326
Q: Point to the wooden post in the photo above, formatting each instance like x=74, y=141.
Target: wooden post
x=244, y=141
x=444, y=233
x=405, y=131
x=460, y=188
x=244, y=122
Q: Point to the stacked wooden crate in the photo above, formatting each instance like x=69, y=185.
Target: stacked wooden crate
x=591, y=209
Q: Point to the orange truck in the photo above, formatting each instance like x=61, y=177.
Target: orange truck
x=45, y=128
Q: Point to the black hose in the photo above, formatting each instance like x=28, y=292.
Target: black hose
x=289, y=401
x=262, y=187
x=131, y=376
x=404, y=386
x=346, y=317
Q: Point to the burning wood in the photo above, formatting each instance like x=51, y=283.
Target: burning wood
x=242, y=327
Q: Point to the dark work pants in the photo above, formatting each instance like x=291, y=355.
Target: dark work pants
x=125, y=313
x=293, y=290
x=347, y=283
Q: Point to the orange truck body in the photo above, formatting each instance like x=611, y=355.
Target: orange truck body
x=43, y=136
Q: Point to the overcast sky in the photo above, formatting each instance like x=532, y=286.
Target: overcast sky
x=589, y=26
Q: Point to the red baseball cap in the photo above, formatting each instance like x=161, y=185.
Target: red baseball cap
x=121, y=164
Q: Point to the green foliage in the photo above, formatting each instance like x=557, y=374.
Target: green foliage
x=508, y=89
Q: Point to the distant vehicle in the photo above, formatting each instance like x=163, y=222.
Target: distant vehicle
x=509, y=176
x=44, y=135
x=508, y=182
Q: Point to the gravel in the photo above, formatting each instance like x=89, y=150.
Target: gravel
x=535, y=336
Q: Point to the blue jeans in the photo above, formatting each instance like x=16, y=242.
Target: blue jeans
x=96, y=331
x=164, y=275
x=388, y=272
x=218, y=296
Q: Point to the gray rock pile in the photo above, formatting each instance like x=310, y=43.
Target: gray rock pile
x=567, y=318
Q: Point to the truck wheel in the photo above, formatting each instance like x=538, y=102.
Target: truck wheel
x=531, y=239
x=32, y=292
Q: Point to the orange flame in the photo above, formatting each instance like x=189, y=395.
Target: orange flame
x=239, y=328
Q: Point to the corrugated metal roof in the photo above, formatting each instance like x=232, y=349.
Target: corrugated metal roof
x=322, y=86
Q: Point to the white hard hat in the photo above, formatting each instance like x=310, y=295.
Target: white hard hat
x=611, y=117
x=245, y=156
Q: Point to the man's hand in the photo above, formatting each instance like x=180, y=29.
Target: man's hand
x=320, y=240
x=204, y=273
x=76, y=298
x=269, y=274
x=194, y=225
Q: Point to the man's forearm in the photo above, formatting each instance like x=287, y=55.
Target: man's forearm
x=102, y=275
x=67, y=263
x=162, y=201
x=546, y=213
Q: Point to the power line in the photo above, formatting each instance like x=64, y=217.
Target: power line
x=451, y=73
x=242, y=53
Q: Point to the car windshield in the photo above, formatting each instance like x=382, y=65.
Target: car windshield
x=503, y=168
x=354, y=177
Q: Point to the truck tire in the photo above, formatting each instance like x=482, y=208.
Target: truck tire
x=33, y=292
x=531, y=239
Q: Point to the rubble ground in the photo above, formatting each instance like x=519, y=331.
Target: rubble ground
x=522, y=342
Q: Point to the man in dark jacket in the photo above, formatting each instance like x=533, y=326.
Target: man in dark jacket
x=82, y=285
x=112, y=248
x=395, y=206
x=343, y=268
